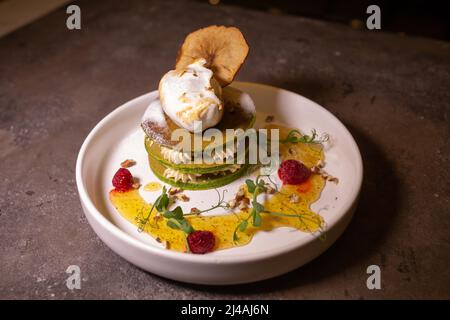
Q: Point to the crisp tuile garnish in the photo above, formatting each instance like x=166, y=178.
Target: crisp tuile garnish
x=223, y=48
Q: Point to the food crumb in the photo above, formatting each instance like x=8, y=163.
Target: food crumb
x=136, y=185
x=173, y=191
x=182, y=197
x=270, y=189
x=243, y=204
x=269, y=119
x=293, y=198
x=318, y=169
x=127, y=163
x=333, y=179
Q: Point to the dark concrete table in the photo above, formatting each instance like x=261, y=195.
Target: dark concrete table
x=391, y=91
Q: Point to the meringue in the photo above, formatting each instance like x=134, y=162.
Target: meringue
x=191, y=97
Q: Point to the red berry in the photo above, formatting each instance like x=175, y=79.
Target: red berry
x=122, y=180
x=293, y=172
x=201, y=242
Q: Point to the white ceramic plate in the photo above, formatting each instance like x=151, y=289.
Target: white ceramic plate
x=118, y=137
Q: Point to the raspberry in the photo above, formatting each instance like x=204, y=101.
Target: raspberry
x=201, y=242
x=293, y=172
x=122, y=180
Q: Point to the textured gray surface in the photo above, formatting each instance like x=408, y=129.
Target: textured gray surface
x=391, y=91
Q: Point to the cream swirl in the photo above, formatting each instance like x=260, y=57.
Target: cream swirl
x=191, y=96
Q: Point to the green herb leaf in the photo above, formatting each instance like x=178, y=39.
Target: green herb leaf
x=295, y=136
x=173, y=224
x=257, y=206
x=250, y=185
x=168, y=214
x=162, y=201
x=257, y=220
x=243, y=225
x=178, y=213
x=185, y=226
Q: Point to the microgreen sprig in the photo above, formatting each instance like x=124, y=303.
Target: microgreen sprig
x=295, y=136
x=175, y=218
x=221, y=203
x=256, y=188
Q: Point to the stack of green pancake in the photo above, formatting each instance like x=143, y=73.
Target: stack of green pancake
x=177, y=168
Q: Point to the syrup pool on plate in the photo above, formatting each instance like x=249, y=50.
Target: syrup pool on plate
x=290, y=199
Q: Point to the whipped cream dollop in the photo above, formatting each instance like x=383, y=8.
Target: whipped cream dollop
x=191, y=96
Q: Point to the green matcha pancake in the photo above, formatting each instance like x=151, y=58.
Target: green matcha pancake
x=197, y=181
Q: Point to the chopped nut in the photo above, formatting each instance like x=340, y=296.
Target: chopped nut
x=232, y=204
x=127, y=163
x=292, y=152
x=270, y=189
x=242, y=206
x=136, y=185
x=316, y=170
x=293, y=198
x=320, y=164
x=167, y=244
x=239, y=198
x=195, y=210
x=182, y=197
x=244, y=203
x=333, y=179
x=172, y=191
x=269, y=119
x=158, y=239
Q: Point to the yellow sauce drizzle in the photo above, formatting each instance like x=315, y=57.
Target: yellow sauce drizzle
x=153, y=186
x=133, y=207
